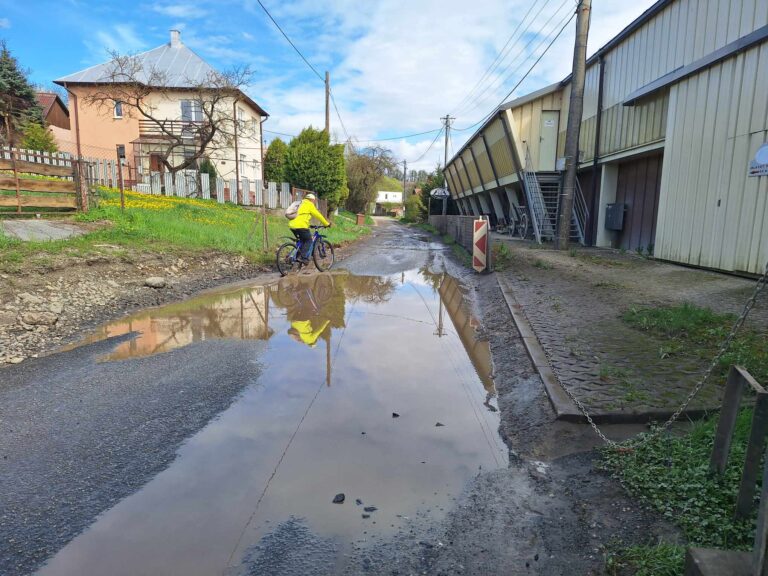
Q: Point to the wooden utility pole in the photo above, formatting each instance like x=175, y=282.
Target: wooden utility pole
x=565, y=205
x=328, y=102
x=238, y=198
x=447, y=121
x=405, y=172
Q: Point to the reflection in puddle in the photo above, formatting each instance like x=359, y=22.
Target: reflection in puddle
x=343, y=354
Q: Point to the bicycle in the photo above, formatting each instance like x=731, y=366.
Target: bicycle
x=287, y=254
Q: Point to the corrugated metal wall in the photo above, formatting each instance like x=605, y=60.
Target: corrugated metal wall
x=680, y=34
x=711, y=214
x=527, y=120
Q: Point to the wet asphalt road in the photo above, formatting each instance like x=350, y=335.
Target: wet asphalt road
x=107, y=465
x=78, y=435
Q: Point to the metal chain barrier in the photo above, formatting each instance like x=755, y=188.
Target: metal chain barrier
x=637, y=441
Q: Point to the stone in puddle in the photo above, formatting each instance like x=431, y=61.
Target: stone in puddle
x=439, y=424
x=155, y=282
x=395, y=415
x=370, y=508
x=338, y=499
x=359, y=502
x=366, y=515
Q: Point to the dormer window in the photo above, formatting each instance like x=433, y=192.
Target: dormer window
x=118, y=109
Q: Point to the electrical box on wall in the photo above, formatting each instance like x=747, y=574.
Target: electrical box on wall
x=614, y=216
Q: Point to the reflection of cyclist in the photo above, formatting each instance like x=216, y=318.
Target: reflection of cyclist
x=300, y=225
x=303, y=331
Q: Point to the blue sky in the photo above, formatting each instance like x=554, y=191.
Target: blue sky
x=396, y=65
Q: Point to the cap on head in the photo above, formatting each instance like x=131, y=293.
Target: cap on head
x=310, y=196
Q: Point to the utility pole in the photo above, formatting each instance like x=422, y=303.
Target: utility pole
x=447, y=122
x=574, y=123
x=328, y=102
x=405, y=172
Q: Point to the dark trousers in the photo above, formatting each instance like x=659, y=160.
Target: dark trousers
x=305, y=236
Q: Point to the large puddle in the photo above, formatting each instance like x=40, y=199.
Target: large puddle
x=344, y=354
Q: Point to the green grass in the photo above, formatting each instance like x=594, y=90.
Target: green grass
x=690, y=328
x=502, y=256
x=658, y=560
x=167, y=224
x=672, y=475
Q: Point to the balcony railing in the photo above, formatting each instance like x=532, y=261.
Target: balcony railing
x=171, y=129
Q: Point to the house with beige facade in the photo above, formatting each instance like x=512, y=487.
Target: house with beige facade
x=106, y=129
x=675, y=115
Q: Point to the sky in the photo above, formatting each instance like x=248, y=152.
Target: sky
x=396, y=66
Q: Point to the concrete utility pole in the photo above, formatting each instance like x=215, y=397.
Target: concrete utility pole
x=327, y=102
x=447, y=121
x=574, y=123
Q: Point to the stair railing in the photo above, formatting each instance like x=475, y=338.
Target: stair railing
x=580, y=213
x=539, y=219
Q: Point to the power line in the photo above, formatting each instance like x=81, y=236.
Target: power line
x=290, y=41
x=494, y=64
x=281, y=133
x=515, y=87
x=338, y=114
x=428, y=149
x=404, y=136
x=524, y=55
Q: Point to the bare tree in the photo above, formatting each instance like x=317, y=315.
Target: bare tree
x=364, y=169
x=207, y=121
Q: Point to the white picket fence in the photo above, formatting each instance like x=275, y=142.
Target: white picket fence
x=185, y=185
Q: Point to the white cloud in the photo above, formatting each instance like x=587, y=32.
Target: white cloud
x=401, y=65
x=180, y=10
x=120, y=38
x=5, y=23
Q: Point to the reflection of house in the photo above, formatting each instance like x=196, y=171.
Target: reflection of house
x=56, y=117
x=177, y=103
x=674, y=110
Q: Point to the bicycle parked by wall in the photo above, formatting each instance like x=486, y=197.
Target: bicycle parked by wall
x=288, y=259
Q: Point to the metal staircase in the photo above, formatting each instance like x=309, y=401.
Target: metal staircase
x=542, y=191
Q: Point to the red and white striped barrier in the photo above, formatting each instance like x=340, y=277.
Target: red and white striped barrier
x=480, y=246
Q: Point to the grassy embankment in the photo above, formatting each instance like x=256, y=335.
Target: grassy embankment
x=170, y=225
x=671, y=473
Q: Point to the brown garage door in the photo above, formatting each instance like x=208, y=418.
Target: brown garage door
x=638, y=189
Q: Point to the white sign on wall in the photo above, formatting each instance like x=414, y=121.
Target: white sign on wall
x=759, y=166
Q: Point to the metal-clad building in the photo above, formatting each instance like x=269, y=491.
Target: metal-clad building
x=675, y=107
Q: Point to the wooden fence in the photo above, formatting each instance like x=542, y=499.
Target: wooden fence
x=187, y=183
x=41, y=182
x=97, y=171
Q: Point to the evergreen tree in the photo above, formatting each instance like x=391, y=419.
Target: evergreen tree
x=274, y=161
x=37, y=137
x=313, y=163
x=18, y=101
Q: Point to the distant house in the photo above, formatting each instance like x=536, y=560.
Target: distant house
x=387, y=201
x=387, y=197
x=100, y=131
x=56, y=117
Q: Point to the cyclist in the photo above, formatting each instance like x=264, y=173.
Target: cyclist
x=300, y=225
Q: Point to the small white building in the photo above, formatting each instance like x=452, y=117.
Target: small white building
x=387, y=197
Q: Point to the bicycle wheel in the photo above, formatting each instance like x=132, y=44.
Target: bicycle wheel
x=285, y=258
x=522, y=227
x=323, y=255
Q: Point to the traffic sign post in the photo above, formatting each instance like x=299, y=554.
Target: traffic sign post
x=480, y=244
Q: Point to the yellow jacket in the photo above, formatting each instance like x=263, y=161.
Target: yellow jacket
x=305, y=214
x=306, y=332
